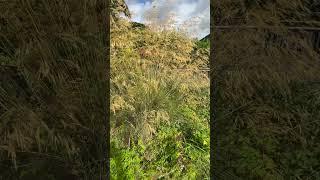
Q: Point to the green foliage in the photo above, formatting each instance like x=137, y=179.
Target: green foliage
x=205, y=44
x=126, y=163
x=160, y=113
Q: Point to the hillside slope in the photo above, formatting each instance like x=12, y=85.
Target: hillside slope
x=160, y=112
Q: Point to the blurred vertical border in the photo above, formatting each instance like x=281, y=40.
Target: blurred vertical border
x=54, y=89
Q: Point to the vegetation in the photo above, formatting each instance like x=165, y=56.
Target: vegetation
x=52, y=89
x=267, y=93
x=159, y=105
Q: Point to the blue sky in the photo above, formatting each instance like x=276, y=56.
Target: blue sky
x=195, y=12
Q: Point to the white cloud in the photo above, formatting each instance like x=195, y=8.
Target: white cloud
x=193, y=14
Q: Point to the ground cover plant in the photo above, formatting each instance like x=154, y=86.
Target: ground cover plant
x=53, y=89
x=267, y=80
x=52, y=108
x=159, y=105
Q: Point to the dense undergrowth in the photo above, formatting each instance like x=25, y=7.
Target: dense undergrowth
x=52, y=89
x=159, y=104
x=267, y=93
x=268, y=112
x=52, y=126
